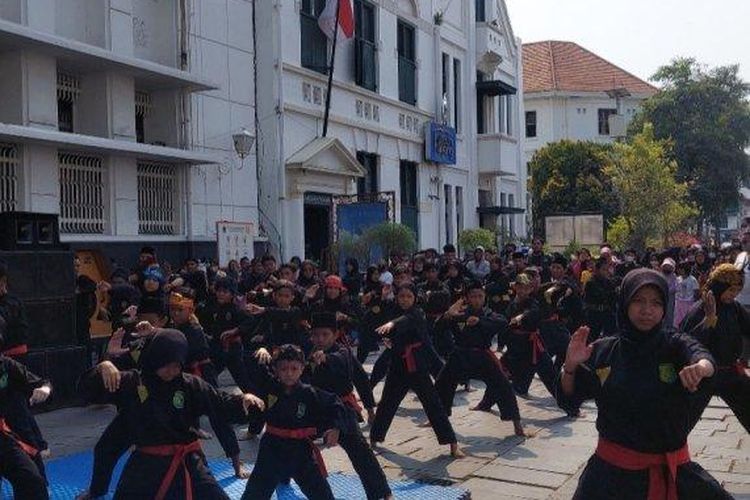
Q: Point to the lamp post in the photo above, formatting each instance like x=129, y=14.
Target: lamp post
x=243, y=144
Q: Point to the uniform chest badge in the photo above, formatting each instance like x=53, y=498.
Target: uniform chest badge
x=228, y=316
x=496, y=299
x=178, y=400
x=135, y=354
x=375, y=310
x=462, y=325
x=272, y=398
x=667, y=373
x=603, y=374
x=301, y=410
x=4, y=380
x=142, y=393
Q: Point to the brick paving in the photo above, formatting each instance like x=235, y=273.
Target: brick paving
x=499, y=465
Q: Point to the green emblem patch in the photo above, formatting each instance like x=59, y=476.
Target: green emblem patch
x=667, y=373
x=4, y=381
x=178, y=400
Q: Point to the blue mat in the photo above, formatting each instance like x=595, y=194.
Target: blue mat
x=70, y=475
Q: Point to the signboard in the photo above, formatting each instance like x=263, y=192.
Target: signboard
x=234, y=240
x=586, y=230
x=353, y=215
x=440, y=143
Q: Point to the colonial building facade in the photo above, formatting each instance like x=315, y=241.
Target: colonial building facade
x=411, y=65
x=118, y=115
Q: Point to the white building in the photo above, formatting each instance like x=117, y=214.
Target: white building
x=389, y=82
x=571, y=93
x=118, y=115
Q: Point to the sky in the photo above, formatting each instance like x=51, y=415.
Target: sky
x=641, y=35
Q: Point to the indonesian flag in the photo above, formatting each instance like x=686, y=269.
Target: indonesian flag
x=327, y=19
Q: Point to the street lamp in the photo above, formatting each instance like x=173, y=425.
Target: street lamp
x=243, y=144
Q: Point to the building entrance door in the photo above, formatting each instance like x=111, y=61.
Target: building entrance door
x=317, y=227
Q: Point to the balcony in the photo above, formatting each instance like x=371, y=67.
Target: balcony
x=497, y=155
x=489, y=47
x=82, y=58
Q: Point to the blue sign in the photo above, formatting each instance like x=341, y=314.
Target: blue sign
x=440, y=143
x=355, y=219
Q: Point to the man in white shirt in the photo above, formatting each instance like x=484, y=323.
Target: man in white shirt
x=479, y=268
x=743, y=263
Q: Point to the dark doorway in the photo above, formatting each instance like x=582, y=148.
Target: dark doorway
x=317, y=232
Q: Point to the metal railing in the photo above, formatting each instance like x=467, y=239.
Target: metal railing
x=9, y=164
x=158, y=197
x=82, y=209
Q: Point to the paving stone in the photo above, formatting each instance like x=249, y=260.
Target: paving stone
x=738, y=491
x=522, y=476
x=741, y=466
x=731, y=477
x=482, y=489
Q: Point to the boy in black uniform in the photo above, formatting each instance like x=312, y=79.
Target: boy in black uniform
x=497, y=287
x=20, y=462
x=472, y=327
x=181, y=314
x=644, y=381
x=336, y=300
x=409, y=370
x=295, y=414
x=226, y=325
x=600, y=299
x=167, y=462
x=334, y=368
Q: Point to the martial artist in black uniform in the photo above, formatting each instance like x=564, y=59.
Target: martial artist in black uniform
x=333, y=368
x=376, y=311
x=600, y=301
x=497, y=286
x=182, y=318
x=295, y=414
x=227, y=324
x=20, y=462
x=409, y=367
x=473, y=327
x=720, y=323
x=455, y=281
x=434, y=299
x=642, y=381
x=336, y=300
x=161, y=406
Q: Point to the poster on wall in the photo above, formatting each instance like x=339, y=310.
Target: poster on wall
x=234, y=240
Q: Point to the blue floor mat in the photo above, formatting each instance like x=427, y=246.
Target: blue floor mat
x=70, y=475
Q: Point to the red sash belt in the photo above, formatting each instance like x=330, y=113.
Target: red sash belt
x=351, y=401
x=18, y=350
x=408, y=356
x=537, y=346
x=660, y=487
x=498, y=362
x=27, y=448
x=303, y=434
x=178, y=452
x=196, y=368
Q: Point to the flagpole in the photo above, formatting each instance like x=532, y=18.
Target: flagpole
x=330, y=70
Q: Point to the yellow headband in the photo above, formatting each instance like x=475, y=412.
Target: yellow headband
x=179, y=300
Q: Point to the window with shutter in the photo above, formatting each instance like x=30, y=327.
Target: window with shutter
x=314, y=43
x=365, y=48
x=407, y=65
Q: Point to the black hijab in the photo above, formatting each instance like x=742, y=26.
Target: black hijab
x=633, y=282
x=167, y=346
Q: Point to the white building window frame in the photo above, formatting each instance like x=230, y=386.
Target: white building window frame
x=10, y=178
x=84, y=197
x=159, y=200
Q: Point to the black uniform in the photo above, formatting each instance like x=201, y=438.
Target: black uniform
x=376, y=312
x=473, y=358
x=725, y=342
x=171, y=410
x=642, y=406
x=199, y=354
x=229, y=353
x=19, y=463
x=286, y=449
x=341, y=305
x=409, y=370
x=339, y=375
x=498, y=291
x=16, y=332
x=600, y=298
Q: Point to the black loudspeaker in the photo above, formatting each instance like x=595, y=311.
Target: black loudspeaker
x=40, y=275
x=63, y=368
x=29, y=231
x=51, y=322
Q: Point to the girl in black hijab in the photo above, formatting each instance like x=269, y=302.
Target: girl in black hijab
x=643, y=381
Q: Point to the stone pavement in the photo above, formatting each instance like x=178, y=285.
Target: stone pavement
x=499, y=465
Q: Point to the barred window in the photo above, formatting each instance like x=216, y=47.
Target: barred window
x=142, y=109
x=68, y=89
x=82, y=208
x=9, y=165
x=157, y=198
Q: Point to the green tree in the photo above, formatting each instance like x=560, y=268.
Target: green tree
x=706, y=115
x=569, y=177
x=653, y=204
x=469, y=239
x=392, y=238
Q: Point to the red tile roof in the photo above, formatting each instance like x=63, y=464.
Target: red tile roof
x=566, y=66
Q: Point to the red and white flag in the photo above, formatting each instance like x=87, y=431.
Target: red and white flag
x=327, y=19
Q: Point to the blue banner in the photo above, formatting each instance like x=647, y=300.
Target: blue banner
x=355, y=219
x=440, y=143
